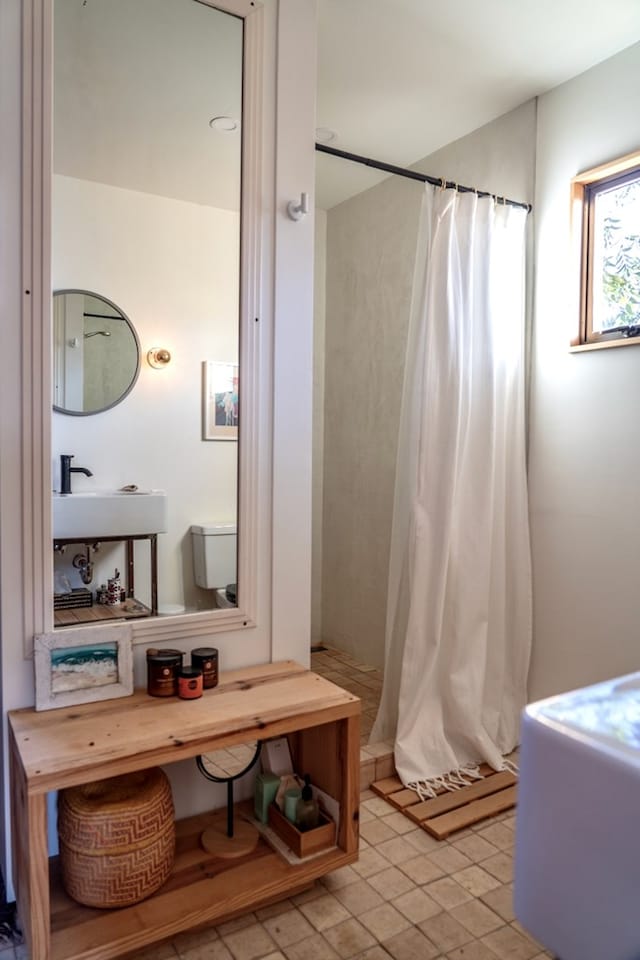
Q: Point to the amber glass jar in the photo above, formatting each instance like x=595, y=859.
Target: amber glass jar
x=206, y=659
x=189, y=683
x=162, y=672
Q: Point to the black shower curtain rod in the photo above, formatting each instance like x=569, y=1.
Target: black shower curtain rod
x=414, y=175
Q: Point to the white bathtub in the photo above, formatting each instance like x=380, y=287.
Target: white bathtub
x=577, y=862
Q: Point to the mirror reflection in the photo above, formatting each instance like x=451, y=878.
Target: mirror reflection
x=146, y=211
x=96, y=354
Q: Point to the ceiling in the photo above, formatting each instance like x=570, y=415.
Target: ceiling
x=137, y=81
x=398, y=79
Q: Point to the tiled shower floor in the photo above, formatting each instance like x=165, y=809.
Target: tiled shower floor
x=376, y=759
x=358, y=678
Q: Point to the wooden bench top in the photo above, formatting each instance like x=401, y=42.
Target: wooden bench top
x=73, y=745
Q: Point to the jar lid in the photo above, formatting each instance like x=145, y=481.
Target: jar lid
x=164, y=656
x=205, y=652
x=190, y=673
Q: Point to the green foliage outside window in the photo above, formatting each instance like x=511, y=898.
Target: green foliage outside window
x=620, y=305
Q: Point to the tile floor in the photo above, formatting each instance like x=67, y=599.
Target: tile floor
x=408, y=897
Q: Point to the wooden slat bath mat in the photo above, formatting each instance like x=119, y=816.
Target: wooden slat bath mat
x=452, y=810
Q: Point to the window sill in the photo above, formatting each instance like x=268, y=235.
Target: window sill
x=604, y=344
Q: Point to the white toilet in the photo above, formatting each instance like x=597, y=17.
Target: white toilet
x=215, y=558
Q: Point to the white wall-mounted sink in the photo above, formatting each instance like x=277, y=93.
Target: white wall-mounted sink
x=109, y=513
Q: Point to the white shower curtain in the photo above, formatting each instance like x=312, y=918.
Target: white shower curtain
x=459, y=598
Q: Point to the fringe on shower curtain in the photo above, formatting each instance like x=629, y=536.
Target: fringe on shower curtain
x=458, y=629
x=464, y=776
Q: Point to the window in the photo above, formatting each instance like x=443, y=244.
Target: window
x=606, y=209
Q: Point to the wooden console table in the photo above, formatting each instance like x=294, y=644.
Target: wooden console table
x=60, y=748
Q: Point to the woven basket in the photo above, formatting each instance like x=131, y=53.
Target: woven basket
x=117, y=838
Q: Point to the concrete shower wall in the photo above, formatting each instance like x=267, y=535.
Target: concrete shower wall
x=369, y=263
x=370, y=245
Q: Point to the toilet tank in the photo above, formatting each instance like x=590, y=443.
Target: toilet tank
x=214, y=554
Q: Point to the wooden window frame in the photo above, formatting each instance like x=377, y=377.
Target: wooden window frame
x=584, y=189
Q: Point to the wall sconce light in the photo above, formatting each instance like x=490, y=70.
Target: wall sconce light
x=158, y=357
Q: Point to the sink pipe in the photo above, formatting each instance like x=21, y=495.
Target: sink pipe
x=85, y=565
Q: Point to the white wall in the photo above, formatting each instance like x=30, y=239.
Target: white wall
x=584, y=452
x=284, y=286
x=293, y=333
x=319, y=309
x=11, y=664
x=371, y=243
x=173, y=268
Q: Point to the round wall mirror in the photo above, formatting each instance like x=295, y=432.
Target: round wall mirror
x=96, y=353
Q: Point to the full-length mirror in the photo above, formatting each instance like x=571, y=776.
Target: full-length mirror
x=146, y=213
x=96, y=353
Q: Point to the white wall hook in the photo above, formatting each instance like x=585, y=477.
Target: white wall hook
x=298, y=210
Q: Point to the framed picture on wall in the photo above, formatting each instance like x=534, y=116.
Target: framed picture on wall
x=219, y=400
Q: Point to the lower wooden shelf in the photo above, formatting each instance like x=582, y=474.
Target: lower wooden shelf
x=129, y=610
x=201, y=889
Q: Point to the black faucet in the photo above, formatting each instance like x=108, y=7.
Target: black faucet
x=66, y=470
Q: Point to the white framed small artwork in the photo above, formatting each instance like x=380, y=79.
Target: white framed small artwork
x=219, y=400
x=73, y=667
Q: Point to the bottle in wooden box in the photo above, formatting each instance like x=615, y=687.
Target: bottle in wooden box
x=307, y=810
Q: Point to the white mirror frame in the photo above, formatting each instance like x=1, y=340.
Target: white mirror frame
x=37, y=351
